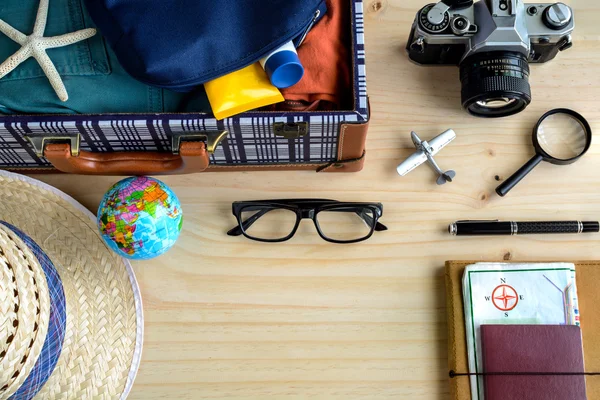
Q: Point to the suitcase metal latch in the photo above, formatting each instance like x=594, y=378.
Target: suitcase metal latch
x=290, y=130
x=212, y=138
x=39, y=142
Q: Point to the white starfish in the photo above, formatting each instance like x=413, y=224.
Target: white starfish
x=35, y=45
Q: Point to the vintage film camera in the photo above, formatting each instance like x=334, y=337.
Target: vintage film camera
x=493, y=42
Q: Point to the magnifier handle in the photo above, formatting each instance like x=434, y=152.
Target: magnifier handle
x=518, y=176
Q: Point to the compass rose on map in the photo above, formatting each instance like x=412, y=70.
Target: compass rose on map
x=505, y=298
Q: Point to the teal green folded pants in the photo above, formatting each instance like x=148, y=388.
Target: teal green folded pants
x=95, y=81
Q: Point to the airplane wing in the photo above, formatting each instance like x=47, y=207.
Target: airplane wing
x=411, y=163
x=439, y=142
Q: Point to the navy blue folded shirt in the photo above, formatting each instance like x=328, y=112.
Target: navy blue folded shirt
x=181, y=44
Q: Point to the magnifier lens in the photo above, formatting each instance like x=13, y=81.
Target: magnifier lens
x=562, y=136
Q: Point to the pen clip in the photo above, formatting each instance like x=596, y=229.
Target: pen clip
x=478, y=220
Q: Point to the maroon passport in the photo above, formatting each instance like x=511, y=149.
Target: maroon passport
x=532, y=348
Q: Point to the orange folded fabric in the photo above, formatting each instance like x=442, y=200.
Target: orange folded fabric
x=325, y=55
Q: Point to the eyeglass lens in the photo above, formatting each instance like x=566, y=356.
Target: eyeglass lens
x=346, y=223
x=269, y=223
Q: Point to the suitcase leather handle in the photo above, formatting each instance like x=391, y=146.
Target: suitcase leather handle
x=192, y=158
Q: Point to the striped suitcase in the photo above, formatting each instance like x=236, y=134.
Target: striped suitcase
x=126, y=144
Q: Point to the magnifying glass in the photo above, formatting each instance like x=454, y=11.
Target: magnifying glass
x=560, y=137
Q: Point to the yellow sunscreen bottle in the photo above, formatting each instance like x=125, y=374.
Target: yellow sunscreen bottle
x=240, y=91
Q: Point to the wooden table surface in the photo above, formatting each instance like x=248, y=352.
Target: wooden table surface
x=227, y=318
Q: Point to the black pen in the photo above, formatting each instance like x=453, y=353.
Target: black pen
x=491, y=228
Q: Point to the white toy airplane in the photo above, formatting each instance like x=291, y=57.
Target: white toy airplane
x=425, y=152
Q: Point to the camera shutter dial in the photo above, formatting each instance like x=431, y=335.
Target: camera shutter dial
x=460, y=25
x=434, y=18
x=558, y=16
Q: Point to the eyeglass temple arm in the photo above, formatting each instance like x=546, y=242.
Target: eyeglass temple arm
x=379, y=227
x=237, y=231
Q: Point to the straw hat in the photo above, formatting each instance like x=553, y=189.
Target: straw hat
x=71, y=323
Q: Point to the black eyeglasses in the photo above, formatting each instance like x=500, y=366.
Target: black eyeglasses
x=278, y=220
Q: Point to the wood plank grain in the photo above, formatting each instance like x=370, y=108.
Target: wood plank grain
x=227, y=318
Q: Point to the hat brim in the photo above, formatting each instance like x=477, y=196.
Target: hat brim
x=104, y=318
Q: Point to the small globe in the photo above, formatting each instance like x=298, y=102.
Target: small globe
x=140, y=218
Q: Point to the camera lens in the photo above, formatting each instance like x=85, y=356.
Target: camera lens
x=495, y=84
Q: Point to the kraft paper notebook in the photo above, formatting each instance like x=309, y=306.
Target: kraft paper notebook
x=588, y=279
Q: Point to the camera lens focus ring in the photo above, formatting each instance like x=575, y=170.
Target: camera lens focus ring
x=495, y=84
